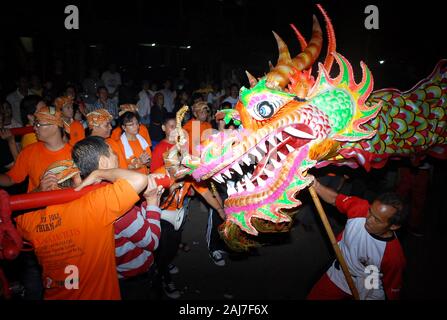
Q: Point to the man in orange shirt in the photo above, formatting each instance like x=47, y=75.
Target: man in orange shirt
x=33, y=160
x=198, y=128
x=74, y=242
x=73, y=128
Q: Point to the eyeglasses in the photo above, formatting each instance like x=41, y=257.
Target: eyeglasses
x=38, y=124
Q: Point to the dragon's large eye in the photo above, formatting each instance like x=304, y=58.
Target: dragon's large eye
x=266, y=109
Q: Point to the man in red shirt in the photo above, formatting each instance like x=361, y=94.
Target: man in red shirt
x=369, y=245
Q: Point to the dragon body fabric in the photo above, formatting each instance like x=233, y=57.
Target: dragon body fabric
x=291, y=122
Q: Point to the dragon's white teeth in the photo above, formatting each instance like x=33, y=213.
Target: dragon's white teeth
x=228, y=173
x=261, y=182
x=250, y=186
x=256, y=153
x=246, y=160
x=281, y=155
x=269, y=173
x=231, y=191
x=249, y=175
x=272, y=141
x=291, y=149
x=218, y=178
x=262, y=147
x=297, y=133
x=236, y=167
x=275, y=163
x=239, y=187
x=279, y=137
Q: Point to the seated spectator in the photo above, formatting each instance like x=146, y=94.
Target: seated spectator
x=73, y=128
x=142, y=130
x=135, y=148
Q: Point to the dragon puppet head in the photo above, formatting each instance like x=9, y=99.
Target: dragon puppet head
x=289, y=122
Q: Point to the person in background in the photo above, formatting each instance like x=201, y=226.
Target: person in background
x=104, y=102
x=28, y=108
x=198, y=128
x=158, y=115
x=169, y=95
x=145, y=103
x=167, y=143
x=234, y=95
x=36, y=86
x=72, y=127
x=14, y=98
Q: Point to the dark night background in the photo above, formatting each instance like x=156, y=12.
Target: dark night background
x=223, y=35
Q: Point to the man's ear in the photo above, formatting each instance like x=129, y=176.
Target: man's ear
x=394, y=227
x=163, y=127
x=103, y=162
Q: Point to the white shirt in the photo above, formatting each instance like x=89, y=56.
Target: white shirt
x=144, y=103
x=111, y=80
x=231, y=100
x=169, y=99
x=14, y=99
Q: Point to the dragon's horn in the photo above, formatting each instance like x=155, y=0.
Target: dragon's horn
x=251, y=79
x=331, y=40
x=271, y=66
x=279, y=75
x=306, y=58
x=303, y=42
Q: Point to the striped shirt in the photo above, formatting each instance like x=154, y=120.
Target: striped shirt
x=137, y=235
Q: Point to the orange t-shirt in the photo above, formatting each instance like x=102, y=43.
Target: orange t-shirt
x=28, y=139
x=117, y=149
x=195, y=129
x=75, y=241
x=33, y=161
x=137, y=152
x=77, y=132
x=175, y=201
x=142, y=131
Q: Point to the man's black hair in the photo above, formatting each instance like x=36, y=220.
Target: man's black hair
x=127, y=117
x=169, y=116
x=86, y=154
x=100, y=88
x=28, y=106
x=394, y=200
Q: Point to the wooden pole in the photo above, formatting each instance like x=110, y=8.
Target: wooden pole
x=334, y=243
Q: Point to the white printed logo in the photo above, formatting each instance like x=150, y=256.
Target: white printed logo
x=72, y=281
x=72, y=20
x=372, y=20
x=372, y=280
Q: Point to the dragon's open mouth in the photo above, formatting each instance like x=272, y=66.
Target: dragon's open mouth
x=264, y=163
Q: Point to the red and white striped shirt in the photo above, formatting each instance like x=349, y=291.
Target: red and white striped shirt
x=137, y=235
